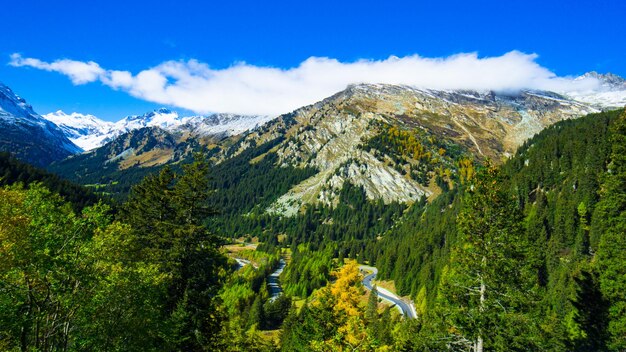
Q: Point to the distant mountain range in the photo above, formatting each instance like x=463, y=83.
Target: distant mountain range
x=89, y=132
x=610, y=95
x=515, y=117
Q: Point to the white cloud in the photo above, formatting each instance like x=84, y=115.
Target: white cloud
x=249, y=89
x=79, y=72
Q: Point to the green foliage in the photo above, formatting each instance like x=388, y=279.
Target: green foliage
x=416, y=248
x=555, y=178
x=378, y=325
x=307, y=271
x=167, y=212
x=488, y=283
x=242, y=184
x=276, y=312
x=59, y=270
x=103, y=168
x=151, y=280
x=610, y=223
x=41, y=266
x=14, y=171
x=417, y=153
x=588, y=330
x=334, y=320
x=530, y=256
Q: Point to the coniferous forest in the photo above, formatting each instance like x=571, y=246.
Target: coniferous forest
x=528, y=254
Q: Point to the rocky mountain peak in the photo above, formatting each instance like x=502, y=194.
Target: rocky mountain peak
x=29, y=136
x=14, y=105
x=609, y=79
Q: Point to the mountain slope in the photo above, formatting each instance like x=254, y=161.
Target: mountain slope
x=13, y=171
x=399, y=143
x=126, y=159
x=394, y=141
x=556, y=179
x=27, y=135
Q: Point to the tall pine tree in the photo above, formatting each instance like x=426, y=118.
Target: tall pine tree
x=168, y=212
x=486, y=289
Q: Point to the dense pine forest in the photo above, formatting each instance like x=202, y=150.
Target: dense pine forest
x=524, y=255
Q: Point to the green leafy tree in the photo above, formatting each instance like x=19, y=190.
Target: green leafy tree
x=126, y=297
x=46, y=272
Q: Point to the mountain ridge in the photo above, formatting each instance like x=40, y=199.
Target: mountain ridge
x=336, y=136
x=27, y=135
x=399, y=143
x=90, y=132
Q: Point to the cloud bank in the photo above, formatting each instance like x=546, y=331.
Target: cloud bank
x=249, y=89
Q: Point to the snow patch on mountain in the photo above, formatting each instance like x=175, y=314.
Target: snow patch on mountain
x=12, y=105
x=610, y=92
x=229, y=124
x=162, y=118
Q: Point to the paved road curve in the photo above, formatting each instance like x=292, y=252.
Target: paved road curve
x=408, y=310
x=273, y=283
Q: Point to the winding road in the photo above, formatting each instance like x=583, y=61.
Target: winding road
x=273, y=283
x=406, y=309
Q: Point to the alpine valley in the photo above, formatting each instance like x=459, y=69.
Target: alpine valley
x=382, y=218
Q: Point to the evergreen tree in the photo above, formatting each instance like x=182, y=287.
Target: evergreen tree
x=371, y=311
x=610, y=223
x=167, y=213
x=591, y=314
x=486, y=288
x=257, y=314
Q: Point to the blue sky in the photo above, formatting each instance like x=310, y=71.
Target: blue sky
x=570, y=37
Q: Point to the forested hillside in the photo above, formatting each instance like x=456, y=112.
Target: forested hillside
x=14, y=171
x=146, y=280
x=526, y=255
x=559, y=182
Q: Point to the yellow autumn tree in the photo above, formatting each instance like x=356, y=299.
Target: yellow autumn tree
x=347, y=289
x=343, y=296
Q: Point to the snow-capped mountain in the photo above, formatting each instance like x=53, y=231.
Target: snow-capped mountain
x=345, y=138
x=86, y=131
x=89, y=132
x=29, y=136
x=200, y=126
x=608, y=80
x=608, y=93
x=163, y=118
